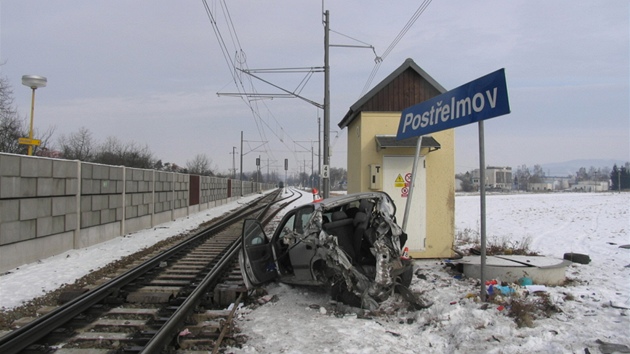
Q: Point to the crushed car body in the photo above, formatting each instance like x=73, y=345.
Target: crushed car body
x=351, y=244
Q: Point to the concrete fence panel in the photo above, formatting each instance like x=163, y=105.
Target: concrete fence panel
x=48, y=206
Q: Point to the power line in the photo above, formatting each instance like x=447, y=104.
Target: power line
x=246, y=88
x=378, y=60
x=237, y=67
x=250, y=95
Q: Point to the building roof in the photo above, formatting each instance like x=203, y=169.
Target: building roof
x=389, y=141
x=404, y=87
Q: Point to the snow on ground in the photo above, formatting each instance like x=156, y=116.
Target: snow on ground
x=303, y=320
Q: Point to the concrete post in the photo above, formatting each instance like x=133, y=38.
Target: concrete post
x=77, y=230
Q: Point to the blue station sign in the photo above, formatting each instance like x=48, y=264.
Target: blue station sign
x=481, y=99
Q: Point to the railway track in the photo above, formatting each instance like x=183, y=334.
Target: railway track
x=173, y=302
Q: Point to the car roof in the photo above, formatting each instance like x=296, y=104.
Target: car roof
x=345, y=199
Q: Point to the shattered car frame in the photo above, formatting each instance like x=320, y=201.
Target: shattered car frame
x=350, y=243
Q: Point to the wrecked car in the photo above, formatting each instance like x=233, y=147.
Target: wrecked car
x=351, y=244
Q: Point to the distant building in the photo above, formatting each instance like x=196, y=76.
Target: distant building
x=496, y=178
x=590, y=186
x=559, y=183
x=540, y=187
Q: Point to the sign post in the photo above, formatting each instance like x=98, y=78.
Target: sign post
x=482, y=210
x=414, y=169
x=286, y=167
x=476, y=101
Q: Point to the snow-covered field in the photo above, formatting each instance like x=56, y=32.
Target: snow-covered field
x=302, y=320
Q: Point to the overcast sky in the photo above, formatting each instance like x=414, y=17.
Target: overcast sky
x=150, y=71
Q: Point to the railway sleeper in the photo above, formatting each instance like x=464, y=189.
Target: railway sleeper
x=226, y=294
x=144, y=297
x=104, y=322
x=82, y=351
x=127, y=312
x=167, y=282
x=178, y=276
x=101, y=339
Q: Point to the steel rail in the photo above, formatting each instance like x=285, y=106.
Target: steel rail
x=165, y=334
x=21, y=338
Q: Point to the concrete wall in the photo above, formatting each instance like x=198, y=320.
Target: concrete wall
x=440, y=169
x=48, y=206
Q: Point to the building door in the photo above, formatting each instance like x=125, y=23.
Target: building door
x=396, y=181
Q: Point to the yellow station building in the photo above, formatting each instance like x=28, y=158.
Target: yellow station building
x=377, y=161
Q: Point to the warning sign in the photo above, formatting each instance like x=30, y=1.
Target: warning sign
x=400, y=182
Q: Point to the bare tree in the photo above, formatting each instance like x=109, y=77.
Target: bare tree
x=537, y=175
x=114, y=152
x=273, y=177
x=77, y=146
x=338, y=178
x=467, y=184
x=172, y=167
x=45, y=139
x=522, y=177
x=200, y=165
x=603, y=174
x=12, y=127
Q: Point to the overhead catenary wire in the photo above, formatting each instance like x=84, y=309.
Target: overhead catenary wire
x=379, y=60
x=250, y=95
x=237, y=64
x=244, y=83
x=239, y=57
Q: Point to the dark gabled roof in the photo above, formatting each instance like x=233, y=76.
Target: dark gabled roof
x=389, y=141
x=404, y=87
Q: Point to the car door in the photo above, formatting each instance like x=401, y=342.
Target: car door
x=296, y=246
x=257, y=259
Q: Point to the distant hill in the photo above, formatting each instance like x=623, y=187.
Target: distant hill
x=561, y=169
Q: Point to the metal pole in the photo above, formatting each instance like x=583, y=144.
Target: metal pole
x=482, y=198
x=233, y=162
x=319, y=153
x=412, y=183
x=241, y=173
x=30, y=132
x=326, y=180
x=304, y=172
